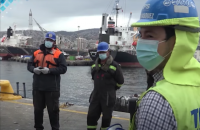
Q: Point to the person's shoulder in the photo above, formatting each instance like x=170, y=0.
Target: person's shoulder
x=114, y=63
x=150, y=106
x=154, y=98
x=36, y=52
x=57, y=51
x=152, y=95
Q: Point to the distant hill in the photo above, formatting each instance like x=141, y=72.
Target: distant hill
x=89, y=34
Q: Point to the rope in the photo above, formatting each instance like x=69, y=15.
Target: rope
x=109, y=5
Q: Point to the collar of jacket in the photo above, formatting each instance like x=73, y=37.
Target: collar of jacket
x=107, y=64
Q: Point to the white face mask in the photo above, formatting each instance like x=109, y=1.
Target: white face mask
x=103, y=56
x=148, y=55
x=48, y=44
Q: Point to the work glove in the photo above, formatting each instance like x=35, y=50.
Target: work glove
x=37, y=70
x=45, y=70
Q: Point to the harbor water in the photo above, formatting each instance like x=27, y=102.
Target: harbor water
x=76, y=84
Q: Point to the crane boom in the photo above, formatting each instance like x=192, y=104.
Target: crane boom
x=58, y=38
x=41, y=28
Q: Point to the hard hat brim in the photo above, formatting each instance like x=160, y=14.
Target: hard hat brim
x=192, y=22
x=102, y=50
x=50, y=38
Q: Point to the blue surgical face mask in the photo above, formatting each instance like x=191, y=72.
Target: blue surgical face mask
x=103, y=56
x=48, y=44
x=147, y=53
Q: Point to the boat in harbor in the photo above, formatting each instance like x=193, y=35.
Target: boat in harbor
x=121, y=40
x=16, y=44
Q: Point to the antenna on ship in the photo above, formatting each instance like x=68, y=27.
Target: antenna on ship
x=30, y=22
x=117, y=10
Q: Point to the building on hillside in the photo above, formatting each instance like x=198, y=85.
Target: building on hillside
x=81, y=43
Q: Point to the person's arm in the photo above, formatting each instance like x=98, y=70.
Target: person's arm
x=154, y=113
x=31, y=64
x=62, y=66
x=93, y=71
x=119, y=78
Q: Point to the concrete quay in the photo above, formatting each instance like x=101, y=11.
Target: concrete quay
x=18, y=115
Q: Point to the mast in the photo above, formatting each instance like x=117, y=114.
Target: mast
x=117, y=10
x=30, y=22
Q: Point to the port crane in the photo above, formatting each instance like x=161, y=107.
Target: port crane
x=41, y=28
x=59, y=39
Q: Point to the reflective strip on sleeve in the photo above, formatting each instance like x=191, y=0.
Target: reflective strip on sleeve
x=112, y=67
x=119, y=85
x=104, y=128
x=93, y=66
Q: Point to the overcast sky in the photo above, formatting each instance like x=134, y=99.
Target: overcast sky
x=67, y=15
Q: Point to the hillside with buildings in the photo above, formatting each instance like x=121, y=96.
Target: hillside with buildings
x=68, y=39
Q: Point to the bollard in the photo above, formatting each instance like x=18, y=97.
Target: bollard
x=24, y=90
x=17, y=83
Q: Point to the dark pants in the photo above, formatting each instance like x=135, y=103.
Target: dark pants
x=94, y=113
x=41, y=99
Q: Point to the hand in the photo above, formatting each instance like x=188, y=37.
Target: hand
x=37, y=70
x=45, y=70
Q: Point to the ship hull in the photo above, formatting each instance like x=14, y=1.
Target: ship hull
x=123, y=58
x=127, y=60
x=7, y=52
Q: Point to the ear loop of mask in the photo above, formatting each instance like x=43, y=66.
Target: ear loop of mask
x=168, y=52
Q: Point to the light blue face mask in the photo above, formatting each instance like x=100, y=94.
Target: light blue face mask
x=147, y=53
x=48, y=44
x=103, y=56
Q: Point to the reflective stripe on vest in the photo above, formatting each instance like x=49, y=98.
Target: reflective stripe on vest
x=47, y=60
x=184, y=101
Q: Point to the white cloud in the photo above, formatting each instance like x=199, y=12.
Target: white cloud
x=72, y=23
x=66, y=15
x=66, y=24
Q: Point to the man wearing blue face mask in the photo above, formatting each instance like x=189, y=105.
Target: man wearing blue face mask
x=169, y=36
x=47, y=64
x=108, y=78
